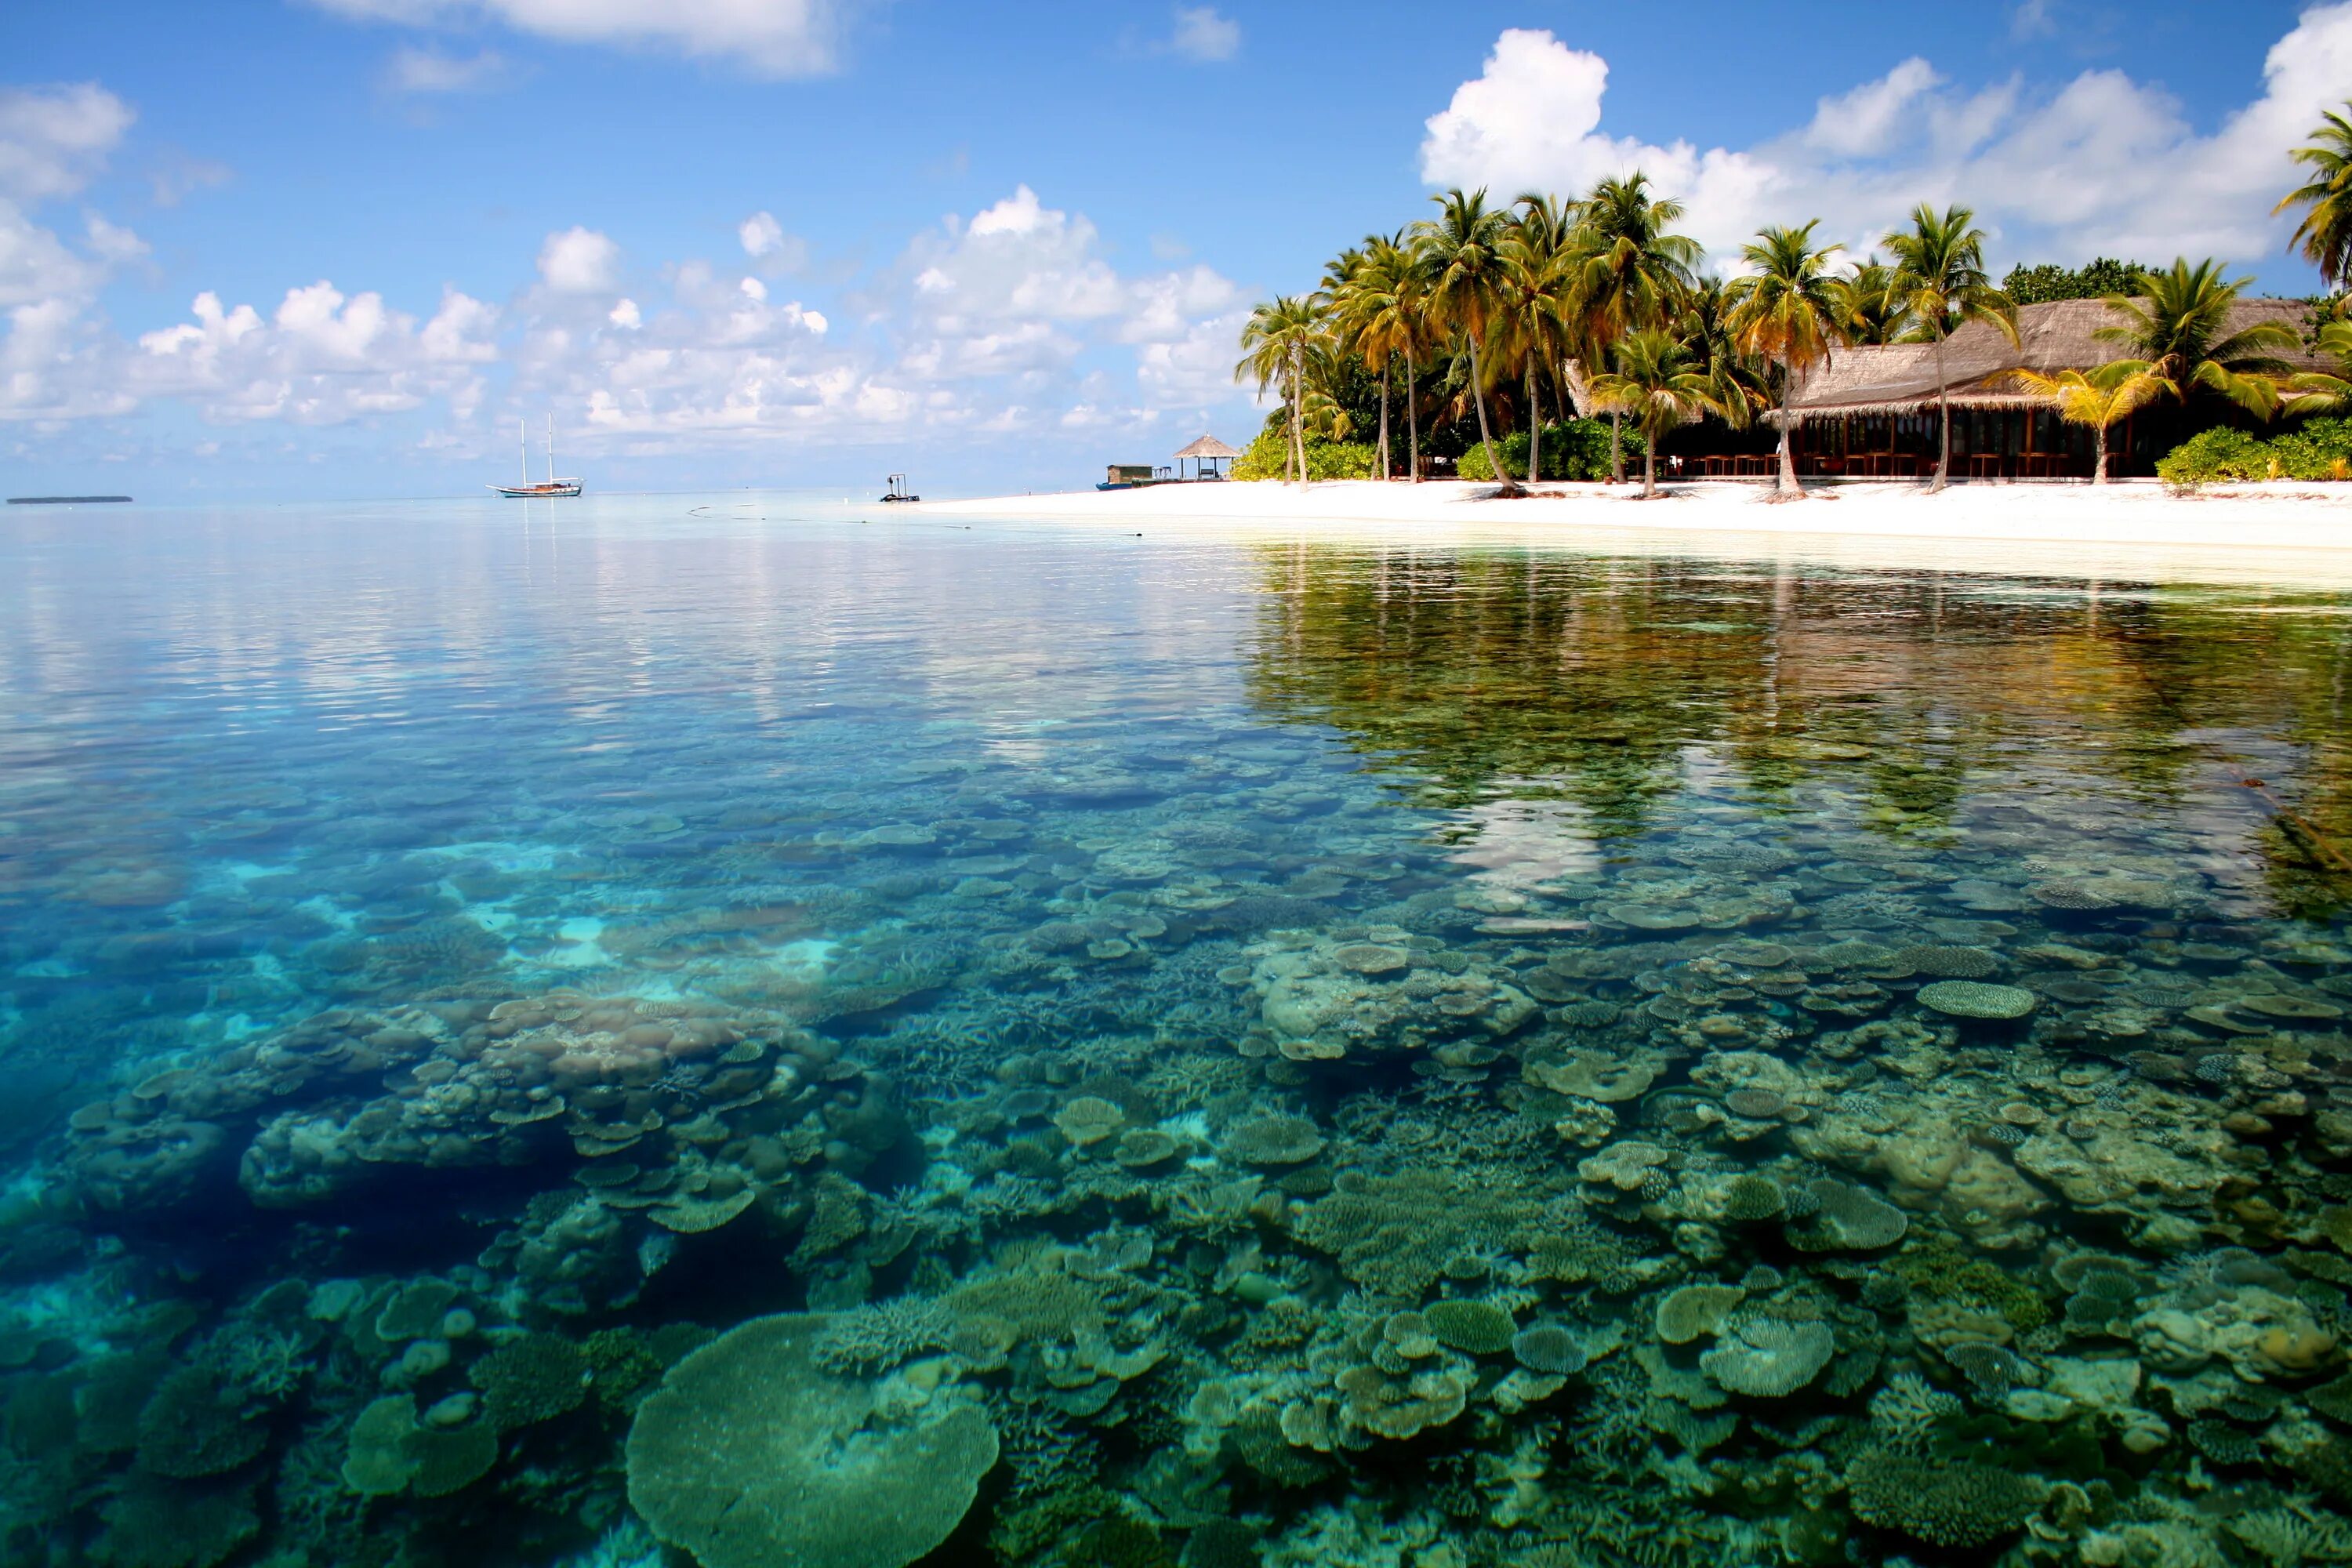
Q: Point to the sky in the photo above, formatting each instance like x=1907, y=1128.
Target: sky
x=264, y=249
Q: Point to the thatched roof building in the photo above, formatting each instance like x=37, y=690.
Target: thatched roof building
x=1206, y=454
x=1900, y=378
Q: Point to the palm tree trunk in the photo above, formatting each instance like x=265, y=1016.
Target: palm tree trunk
x=1534, y=426
x=1789, y=486
x=1297, y=397
x=1649, y=468
x=1944, y=419
x=2099, y=474
x=1384, y=419
x=1411, y=422
x=1485, y=435
x=1616, y=450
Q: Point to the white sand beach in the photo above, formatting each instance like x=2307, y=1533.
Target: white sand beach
x=2280, y=532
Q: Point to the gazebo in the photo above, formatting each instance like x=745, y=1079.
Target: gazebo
x=1206, y=454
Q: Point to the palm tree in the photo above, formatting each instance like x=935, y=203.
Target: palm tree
x=2180, y=326
x=2325, y=232
x=1462, y=250
x=1625, y=272
x=2101, y=397
x=1940, y=278
x=1535, y=303
x=1279, y=339
x=2318, y=392
x=1659, y=383
x=1702, y=325
x=1787, y=310
x=1869, y=307
x=1379, y=303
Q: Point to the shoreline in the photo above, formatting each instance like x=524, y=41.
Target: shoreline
x=2253, y=532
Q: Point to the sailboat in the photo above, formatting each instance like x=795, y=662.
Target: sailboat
x=553, y=487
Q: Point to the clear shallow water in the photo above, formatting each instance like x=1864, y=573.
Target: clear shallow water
x=1303, y=1053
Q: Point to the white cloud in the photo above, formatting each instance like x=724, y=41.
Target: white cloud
x=2033, y=19
x=764, y=240
x=2104, y=163
x=773, y=37
x=1203, y=34
x=53, y=139
x=578, y=261
x=761, y=232
x=321, y=358
x=427, y=71
x=1873, y=116
x=626, y=316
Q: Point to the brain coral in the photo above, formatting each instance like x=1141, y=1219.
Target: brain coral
x=1769, y=1358
x=1951, y=1503
x=752, y=1455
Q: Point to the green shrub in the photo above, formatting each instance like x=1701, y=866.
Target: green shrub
x=1264, y=457
x=2320, y=449
x=1576, y=450
x=2213, y=455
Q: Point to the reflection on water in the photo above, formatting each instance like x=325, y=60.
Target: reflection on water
x=834, y=1042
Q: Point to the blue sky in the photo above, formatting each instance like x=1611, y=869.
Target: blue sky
x=336, y=247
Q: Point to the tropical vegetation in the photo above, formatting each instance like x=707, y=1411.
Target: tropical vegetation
x=1506, y=340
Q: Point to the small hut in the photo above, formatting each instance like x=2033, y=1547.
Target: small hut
x=1870, y=411
x=1205, y=453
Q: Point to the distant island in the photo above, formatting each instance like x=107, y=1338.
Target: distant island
x=62, y=500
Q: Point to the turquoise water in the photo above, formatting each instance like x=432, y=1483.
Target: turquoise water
x=820, y=1039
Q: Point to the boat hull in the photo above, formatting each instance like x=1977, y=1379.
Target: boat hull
x=535, y=492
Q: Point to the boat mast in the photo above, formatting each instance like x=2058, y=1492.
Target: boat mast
x=522, y=440
x=551, y=447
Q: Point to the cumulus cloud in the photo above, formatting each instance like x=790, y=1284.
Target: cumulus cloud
x=1203, y=34
x=773, y=37
x=53, y=138
x=53, y=141
x=428, y=71
x=321, y=358
x=2101, y=164
x=578, y=261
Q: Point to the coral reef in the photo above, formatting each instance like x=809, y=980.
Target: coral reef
x=751, y=1453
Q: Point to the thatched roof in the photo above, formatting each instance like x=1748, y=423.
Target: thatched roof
x=1208, y=446
x=1900, y=378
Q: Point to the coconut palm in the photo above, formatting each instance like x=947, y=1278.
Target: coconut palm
x=1867, y=304
x=1535, y=315
x=1461, y=249
x=1787, y=309
x=2318, y=392
x=1280, y=338
x=1380, y=303
x=2101, y=397
x=1625, y=270
x=1702, y=325
x=2325, y=234
x=2180, y=326
x=1940, y=280
x=1661, y=384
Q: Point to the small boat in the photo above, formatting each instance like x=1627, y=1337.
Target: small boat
x=898, y=489
x=527, y=491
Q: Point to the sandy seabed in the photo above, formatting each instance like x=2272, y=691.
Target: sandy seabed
x=2282, y=532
